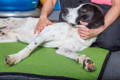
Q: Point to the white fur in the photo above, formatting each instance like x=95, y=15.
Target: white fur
x=73, y=14
x=61, y=35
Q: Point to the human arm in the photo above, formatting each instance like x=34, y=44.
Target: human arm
x=46, y=10
x=112, y=14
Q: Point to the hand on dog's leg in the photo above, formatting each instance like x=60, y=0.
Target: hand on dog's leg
x=17, y=57
x=82, y=59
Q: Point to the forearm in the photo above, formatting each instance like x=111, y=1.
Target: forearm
x=111, y=16
x=47, y=8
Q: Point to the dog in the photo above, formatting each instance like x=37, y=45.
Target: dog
x=62, y=35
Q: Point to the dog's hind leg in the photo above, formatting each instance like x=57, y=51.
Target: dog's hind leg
x=82, y=59
x=17, y=57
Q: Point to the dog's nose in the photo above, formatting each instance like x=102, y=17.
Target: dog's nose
x=65, y=12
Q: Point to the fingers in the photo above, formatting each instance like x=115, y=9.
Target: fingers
x=39, y=28
x=84, y=33
x=83, y=29
x=83, y=36
x=41, y=25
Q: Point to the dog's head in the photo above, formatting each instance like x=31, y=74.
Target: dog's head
x=87, y=12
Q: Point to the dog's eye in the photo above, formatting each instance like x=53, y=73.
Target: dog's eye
x=64, y=12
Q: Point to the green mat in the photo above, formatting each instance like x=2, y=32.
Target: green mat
x=44, y=61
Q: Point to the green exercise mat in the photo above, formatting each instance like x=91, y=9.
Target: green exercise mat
x=44, y=61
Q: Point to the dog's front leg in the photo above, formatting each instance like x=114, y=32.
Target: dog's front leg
x=82, y=59
x=15, y=58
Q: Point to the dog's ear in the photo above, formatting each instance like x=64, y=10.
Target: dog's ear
x=97, y=20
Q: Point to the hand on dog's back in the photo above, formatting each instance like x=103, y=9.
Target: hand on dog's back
x=41, y=24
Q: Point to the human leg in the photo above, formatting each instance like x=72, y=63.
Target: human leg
x=110, y=38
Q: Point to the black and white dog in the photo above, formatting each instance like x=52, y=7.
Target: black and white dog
x=63, y=36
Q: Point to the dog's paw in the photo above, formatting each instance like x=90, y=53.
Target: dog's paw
x=11, y=60
x=88, y=65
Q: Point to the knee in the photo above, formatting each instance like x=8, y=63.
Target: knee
x=110, y=46
x=107, y=45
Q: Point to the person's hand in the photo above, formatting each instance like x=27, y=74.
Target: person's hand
x=43, y=22
x=86, y=33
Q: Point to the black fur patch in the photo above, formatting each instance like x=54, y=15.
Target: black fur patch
x=91, y=14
